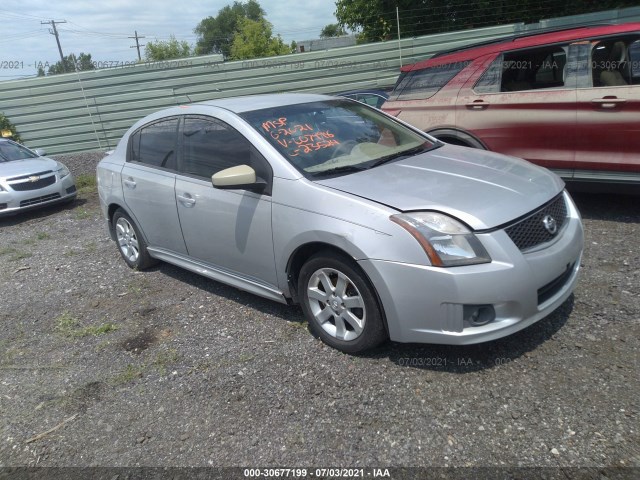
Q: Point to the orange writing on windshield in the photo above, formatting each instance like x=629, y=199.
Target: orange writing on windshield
x=298, y=138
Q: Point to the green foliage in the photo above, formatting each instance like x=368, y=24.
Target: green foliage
x=66, y=325
x=6, y=125
x=216, y=34
x=254, y=40
x=69, y=326
x=376, y=19
x=128, y=374
x=14, y=254
x=71, y=64
x=86, y=183
x=166, y=49
x=333, y=30
x=99, y=330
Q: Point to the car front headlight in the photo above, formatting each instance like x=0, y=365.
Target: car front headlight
x=62, y=171
x=446, y=241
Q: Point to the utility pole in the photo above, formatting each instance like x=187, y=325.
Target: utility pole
x=55, y=32
x=137, y=45
x=399, y=41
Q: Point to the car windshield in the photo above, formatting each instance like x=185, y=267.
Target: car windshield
x=335, y=137
x=10, y=151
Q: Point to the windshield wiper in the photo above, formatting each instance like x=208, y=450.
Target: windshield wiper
x=395, y=156
x=339, y=170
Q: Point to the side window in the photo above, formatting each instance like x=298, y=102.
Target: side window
x=615, y=62
x=425, y=83
x=552, y=70
x=634, y=60
x=490, y=81
x=155, y=144
x=210, y=145
x=534, y=69
x=371, y=99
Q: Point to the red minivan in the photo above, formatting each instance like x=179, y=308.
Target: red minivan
x=568, y=100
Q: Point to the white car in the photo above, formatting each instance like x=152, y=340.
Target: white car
x=29, y=180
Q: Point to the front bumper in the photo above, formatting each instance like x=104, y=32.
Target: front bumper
x=427, y=304
x=12, y=202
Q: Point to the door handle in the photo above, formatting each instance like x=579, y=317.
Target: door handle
x=129, y=183
x=477, y=105
x=608, y=102
x=187, y=200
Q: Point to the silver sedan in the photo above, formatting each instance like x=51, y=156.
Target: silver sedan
x=376, y=229
x=30, y=180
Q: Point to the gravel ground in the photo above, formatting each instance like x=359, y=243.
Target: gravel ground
x=166, y=368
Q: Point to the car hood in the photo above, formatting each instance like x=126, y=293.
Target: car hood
x=483, y=189
x=28, y=166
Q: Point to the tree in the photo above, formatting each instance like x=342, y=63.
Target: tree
x=254, y=40
x=166, y=49
x=216, y=34
x=7, y=129
x=333, y=30
x=71, y=64
x=376, y=19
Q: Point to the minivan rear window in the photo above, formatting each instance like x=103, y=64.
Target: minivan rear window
x=424, y=83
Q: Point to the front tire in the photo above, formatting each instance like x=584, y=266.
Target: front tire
x=131, y=245
x=340, y=303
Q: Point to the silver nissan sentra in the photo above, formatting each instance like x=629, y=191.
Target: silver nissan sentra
x=376, y=229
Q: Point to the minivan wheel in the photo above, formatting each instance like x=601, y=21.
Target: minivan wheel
x=130, y=243
x=340, y=303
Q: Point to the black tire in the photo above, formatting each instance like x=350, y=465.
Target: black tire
x=344, y=312
x=131, y=244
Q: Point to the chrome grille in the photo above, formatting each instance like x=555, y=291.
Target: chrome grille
x=530, y=231
x=37, y=200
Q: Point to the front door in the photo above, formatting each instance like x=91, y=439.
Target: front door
x=228, y=229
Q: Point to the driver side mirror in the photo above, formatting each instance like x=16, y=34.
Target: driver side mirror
x=241, y=176
x=40, y=152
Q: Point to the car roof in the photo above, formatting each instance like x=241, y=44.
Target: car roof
x=526, y=40
x=259, y=102
x=371, y=91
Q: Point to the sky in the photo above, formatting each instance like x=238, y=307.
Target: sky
x=102, y=28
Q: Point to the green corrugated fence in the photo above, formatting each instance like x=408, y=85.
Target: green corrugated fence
x=91, y=110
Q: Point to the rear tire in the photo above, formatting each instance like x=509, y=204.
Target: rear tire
x=131, y=245
x=340, y=303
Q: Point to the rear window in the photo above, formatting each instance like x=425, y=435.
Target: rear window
x=426, y=82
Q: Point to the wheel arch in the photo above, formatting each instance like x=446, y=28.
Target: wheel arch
x=301, y=254
x=455, y=136
x=111, y=210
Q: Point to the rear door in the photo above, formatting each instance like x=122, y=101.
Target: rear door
x=524, y=104
x=608, y=139
x=148, y=182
